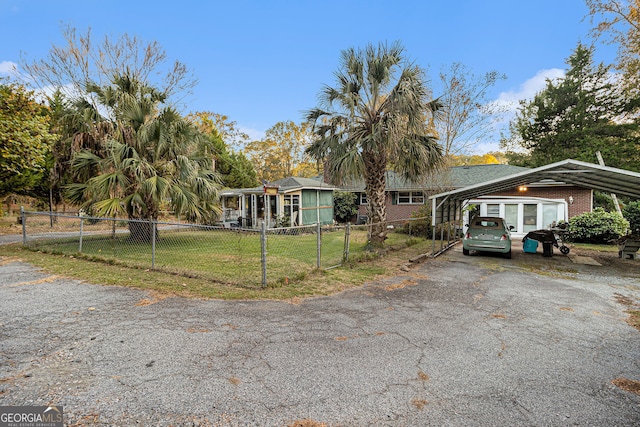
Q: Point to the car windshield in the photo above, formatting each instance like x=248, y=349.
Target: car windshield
x=487, y=224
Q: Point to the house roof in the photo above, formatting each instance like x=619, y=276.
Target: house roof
x=297, y=183
x=454, y=177
x=462, y=176
x=571, y=172
x=285, y=185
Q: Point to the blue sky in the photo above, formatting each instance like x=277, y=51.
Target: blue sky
x=261, y=62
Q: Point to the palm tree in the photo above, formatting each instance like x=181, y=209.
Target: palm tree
x=377, y=117
x=146, y=155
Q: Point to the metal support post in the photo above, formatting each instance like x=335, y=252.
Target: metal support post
x=263, y=258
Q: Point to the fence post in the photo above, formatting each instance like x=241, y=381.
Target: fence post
x=319, y=244
x=347, y=238
x=81, y=229
x=263, y=257
x=23, y=221
x=153, y=243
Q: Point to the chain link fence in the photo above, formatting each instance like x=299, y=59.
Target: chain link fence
x=238, y=256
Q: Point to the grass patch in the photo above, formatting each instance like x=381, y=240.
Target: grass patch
x=593, y=247
x=96, y=267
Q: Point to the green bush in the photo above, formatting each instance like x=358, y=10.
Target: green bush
x=631, y=212
x=597, y=227
x=344, y=205
x=421, y=225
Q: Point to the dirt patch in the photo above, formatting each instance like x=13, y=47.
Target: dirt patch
x=419, y=403
x=624, y=300
x=423, y=376
x=8, y=260
x=154, y=297
x=197, y=331
x=400, y=285
x=632, y=386
x=306, y=423
x=633, y=310
x=562, y=265
x=47, y=279
x=611, y=261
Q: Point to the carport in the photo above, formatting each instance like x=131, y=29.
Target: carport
x=447, y=207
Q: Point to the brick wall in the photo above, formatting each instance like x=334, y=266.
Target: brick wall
x=582, y=197
x=582, y=200
x=394, y=212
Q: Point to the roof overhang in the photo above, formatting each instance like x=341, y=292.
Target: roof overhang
x=568, y=172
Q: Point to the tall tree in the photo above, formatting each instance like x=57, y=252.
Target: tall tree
x=281, y=153
x=227, y=129
x=467, y=113
x=618, y=22
x=147, y=155
x=378, y=116
x=236, y=171
x=80, y=59
x=25, y=139
x=576, y=116
x=475, y=159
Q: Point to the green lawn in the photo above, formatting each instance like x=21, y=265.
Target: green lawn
x=224, y=256
x=207, y=262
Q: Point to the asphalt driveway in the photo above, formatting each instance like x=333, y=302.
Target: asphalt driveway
x=456, y=341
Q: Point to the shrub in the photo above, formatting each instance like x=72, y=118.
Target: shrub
x=631, y=212
x=597, y=227
x=344, y=205
x=421, y=225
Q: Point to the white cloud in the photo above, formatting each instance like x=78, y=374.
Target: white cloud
x=254, y=134
x=509, y=101
x=8, y=68
x=486, y=147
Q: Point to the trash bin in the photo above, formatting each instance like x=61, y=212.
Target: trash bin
x=547, y=249
x=530, y=246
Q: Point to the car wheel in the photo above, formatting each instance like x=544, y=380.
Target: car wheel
x=564, y=249
x=507, y=255
x=465, y=251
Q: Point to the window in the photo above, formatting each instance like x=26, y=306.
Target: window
x=363, y=198
x=493, y=210
x=511, y=215
x=549, y=214
x=530, y=218
x=410, y=198
x=292, y=208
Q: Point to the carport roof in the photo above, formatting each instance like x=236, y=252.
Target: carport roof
x=571, y=172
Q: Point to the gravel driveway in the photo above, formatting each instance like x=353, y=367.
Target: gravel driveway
x=456, y=341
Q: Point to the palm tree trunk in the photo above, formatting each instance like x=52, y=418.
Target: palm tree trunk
x=140, y=231
x=376, y=183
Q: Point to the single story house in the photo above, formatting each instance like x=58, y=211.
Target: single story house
x=287, y=202
x=534, y=198
x=533, y=206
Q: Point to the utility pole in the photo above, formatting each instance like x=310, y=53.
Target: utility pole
x=613, y=196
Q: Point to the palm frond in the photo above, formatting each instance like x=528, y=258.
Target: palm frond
x=109, y=207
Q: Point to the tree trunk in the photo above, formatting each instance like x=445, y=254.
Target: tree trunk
x=141, y=231
x=376, y=183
